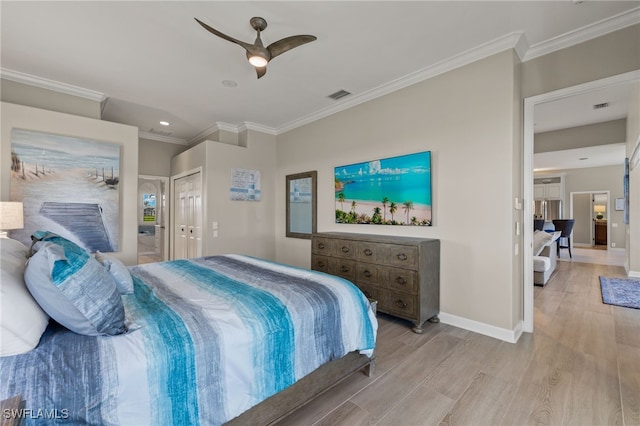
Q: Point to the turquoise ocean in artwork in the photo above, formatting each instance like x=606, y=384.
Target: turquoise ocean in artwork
x=400, y=179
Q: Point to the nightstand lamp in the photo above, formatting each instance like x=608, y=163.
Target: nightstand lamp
x=599, y=210
x=11, y=217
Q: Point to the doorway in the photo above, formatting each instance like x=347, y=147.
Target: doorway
x=590, y=209
x=527, y=175
x=153, y=243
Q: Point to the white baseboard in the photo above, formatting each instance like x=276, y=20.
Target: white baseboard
x=505, y=334
x=633, y=274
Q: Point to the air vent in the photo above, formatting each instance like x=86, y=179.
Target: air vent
x=339, y=94
x=159, y=132
x=600, y=106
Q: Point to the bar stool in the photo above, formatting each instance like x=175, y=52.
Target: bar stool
x=566, y=227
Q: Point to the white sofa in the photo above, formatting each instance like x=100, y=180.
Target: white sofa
x=544, y=261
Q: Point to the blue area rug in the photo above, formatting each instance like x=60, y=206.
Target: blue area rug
x=621, y=291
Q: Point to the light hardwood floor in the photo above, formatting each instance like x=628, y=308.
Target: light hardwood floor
x=581, y=366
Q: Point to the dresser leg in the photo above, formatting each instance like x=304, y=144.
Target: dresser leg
x=434, y=319
x=417, y=328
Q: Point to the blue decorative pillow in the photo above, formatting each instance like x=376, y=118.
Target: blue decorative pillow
x=73, y=287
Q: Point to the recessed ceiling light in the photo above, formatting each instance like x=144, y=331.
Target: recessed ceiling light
x=165, y=123
x=229, y=83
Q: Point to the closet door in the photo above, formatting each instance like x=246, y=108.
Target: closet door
x=188, y=221
x=180, y=243
x=194, y=224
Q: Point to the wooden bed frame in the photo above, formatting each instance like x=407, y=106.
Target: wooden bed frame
x=304, y=390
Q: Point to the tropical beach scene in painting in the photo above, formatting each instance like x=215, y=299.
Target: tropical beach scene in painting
x=68, y=186
x=390, y=191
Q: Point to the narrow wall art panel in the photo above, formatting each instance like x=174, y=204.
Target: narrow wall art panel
x=68, y=186
x=388, y=191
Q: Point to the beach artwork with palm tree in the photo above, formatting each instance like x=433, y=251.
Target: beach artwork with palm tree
x=68, y=186
x=388, y=191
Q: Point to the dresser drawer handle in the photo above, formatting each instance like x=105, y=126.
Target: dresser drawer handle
x=400, y=304
x=321, y=246
x=401, y=281
x=345, y=249
x=402, y=256
x=368, y=252
x=367, y=273
x=344, y=268
x=321, y=264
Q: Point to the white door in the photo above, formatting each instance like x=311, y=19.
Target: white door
x=188, y=221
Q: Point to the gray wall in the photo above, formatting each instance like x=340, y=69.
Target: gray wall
x=155, y=157
x=611, y=54
x=473, y=178
x=606, y=133
x=23, y=94
x=597, y=179
x=243, y=227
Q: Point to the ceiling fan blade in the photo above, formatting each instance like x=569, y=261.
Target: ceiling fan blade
x=223, y=35
x=279, y=47
x=261, y=71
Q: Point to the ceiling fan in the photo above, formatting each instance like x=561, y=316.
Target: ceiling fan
x=257, y=54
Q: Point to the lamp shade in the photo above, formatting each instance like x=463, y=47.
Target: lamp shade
x=599, y=208
x=11, y=216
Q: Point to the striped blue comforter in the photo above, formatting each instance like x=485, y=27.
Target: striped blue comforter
x=216, y=336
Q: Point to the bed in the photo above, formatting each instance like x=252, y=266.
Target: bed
x=206, y=341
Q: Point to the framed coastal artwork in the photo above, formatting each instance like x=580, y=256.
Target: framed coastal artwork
x=387, y=191
x=245, y=185
x=68, y=186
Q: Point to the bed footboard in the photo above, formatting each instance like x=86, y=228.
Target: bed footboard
x=304, y=390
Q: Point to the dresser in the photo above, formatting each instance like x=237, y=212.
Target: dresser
x=401, y=273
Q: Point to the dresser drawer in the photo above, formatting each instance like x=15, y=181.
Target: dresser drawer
x=320, y=263
x=369, y=273
x=401, y=304
x=402, y=256
x=403, y=280
x=370, y=291
x=370, y=252
x=345, y=249
x=343, y=268
x=322, y=246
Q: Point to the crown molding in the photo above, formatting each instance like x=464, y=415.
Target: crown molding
x=508, y=41
x=203, y=134
x=161, y=138
x=56, y=86
x=247, y=125
x=588, y=32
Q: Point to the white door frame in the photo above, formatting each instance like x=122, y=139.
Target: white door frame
x=527, y=174
x=165, y=210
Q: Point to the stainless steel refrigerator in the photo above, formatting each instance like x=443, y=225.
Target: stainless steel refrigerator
x=548, y=209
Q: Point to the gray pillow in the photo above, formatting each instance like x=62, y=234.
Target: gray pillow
x=118, y=271
x=540, y=239
x=74, y=288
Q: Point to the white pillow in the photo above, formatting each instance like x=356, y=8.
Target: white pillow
x=118, y=271
x=540, y=239
x=22, y=320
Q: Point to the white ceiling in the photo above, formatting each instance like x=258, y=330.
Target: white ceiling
x=151, y=61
